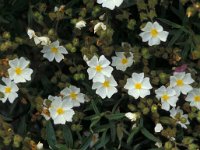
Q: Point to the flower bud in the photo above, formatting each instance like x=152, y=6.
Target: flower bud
x=168, y=145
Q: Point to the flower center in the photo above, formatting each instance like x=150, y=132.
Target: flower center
x=138, y=86
x=73, y=95
x=7, y=89
x=179, y=82
x=60, y=111
x=18, y=70
x=106, y=84
x=165, y=97
x=154, y=33
x=197, y=98
x=98, y=68
x=54, y=50
x=124, y=61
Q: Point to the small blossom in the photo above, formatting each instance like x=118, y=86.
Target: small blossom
x=111, y=4
x=168, y=97
x=61, y=111
x=98, y=26
x=19, y=71
x=9, y=90
x=39, y=146
x=95, y=139
x=54, y=51
x=73, y=95
x=181, y=68
x=79, y=25
x=121, y=61
x=158, y=144
x=180, y=82
x=31, y=33
x=153, y=33
x=131, y=116
x=177, y=114
x=194, y=98
x=99, y=68
x=43, y=40
x=158, y=127
x=105, y=88
x=138, y=85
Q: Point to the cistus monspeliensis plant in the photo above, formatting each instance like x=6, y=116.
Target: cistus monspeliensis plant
x=99, y=74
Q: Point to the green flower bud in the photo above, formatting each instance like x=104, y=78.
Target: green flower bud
x=63, y=78
x=6, y=35
x=96, y=11
x=145, y=111
x=75, y=42
x=193, y=147
x=145, y=53
x=17, y=140
x=163, y=78
x=73, y=127
x=132, y=107
x=183, y=120
x=168, y=145
x=76, y=77
x=191, y=115
x=131, y=24
x=83, y=12
x=68, y=12
x=154, y=108
x=187, y=140
x=7, y=140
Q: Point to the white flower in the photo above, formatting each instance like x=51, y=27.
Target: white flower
x=43, y=40
x=153, y=33
x=9, y=90
x=95, y=138
x=98, y=26
x=73, y=95
x=39, y=146
x=131, y=116
x=38, y=40
x=61, y=111
x=138, y=85
x=31, y=33
x=194, y=98
x=168, y=97
x=158, y=127
x=121, y=61
x=105, y=88
x=99, y=68
x=158, y=144
x=19, y=71
x=180, y=82
x=178, y=115
x=111, y=4
x=80, y=24
x=54, y=51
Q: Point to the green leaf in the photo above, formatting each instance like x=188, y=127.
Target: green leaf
x=112, y=131
x=148, y=135
x=95, y=107
x=133, y=133
x=104, y=140
x=175, y=37
x=86, y=143
x=68, y=136
x=115, y=116
x=50, y=134
x=170, y=23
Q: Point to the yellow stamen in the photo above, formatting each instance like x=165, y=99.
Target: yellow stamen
x=197, y=98
x=7, y=89
x=154, y=33
x=106, y=84
x=179, y=82
x=98, y=68
x=124, y=61
x=18, y=70
x=165, y=97
x=60, y=111
x=54, y=50
x=138, y=86
x=73, y=95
